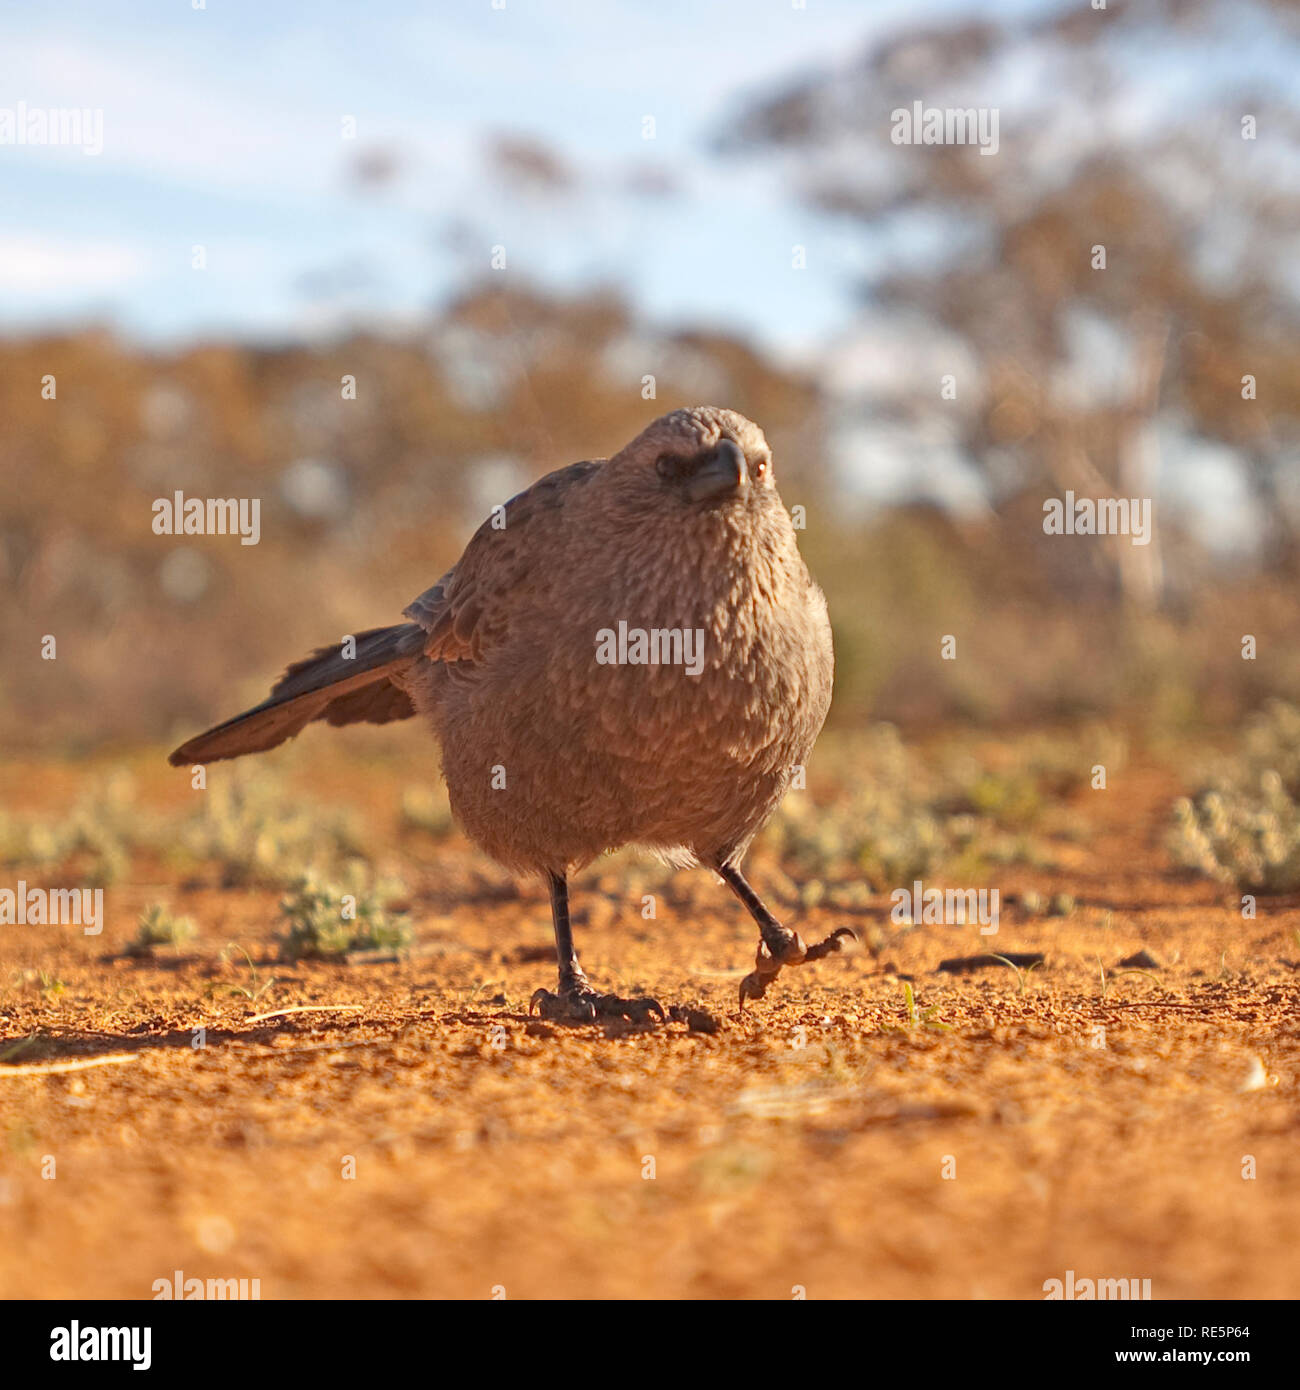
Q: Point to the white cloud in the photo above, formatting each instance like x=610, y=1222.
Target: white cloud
x=43, y=266
x=184, y=126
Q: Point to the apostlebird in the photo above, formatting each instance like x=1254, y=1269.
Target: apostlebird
x=631, y=651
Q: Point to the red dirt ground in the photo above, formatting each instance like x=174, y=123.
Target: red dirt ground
x=819, y=1141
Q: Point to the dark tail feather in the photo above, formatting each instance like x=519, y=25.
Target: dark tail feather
x=325, y=686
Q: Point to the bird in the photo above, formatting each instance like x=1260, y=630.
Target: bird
x=631, y=651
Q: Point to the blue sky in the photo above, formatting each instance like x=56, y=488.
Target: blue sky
x=222, y=127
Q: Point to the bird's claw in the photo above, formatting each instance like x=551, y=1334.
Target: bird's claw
x=792, y=951
x=834, y=942
x=584, y=1005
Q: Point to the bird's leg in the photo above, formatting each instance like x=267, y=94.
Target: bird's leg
x=576, y=1001
x=571, y=977
x=777, y=945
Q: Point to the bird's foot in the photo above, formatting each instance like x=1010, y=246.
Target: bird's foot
x=579, y=1003
x=787, y=949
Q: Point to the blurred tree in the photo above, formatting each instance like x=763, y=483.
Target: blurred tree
x=1126, y=257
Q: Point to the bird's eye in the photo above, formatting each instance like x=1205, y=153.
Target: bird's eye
x=760, y=468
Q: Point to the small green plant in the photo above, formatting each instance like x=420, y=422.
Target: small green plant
x=1130, y=970
x=1146, y=974
x=1021, y=973
x=256, y=987
x=50, y=985
x=247, y=822
x=918, y=1017
x=901, y=817
x=159, y=928
x=1243, y=827
x=261, y=834
x=98, y=835
x=328, y=921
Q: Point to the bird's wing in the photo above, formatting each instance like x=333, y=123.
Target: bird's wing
x=468, y=609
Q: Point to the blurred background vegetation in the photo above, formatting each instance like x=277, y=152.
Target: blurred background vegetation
x=924, y=514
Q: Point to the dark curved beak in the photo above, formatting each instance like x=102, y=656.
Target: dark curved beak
x=721, y=475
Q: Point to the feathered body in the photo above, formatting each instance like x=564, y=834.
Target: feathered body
x=594, y=756
x=553, y=755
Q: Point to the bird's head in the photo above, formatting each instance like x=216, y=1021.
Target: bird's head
x=703, y=457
